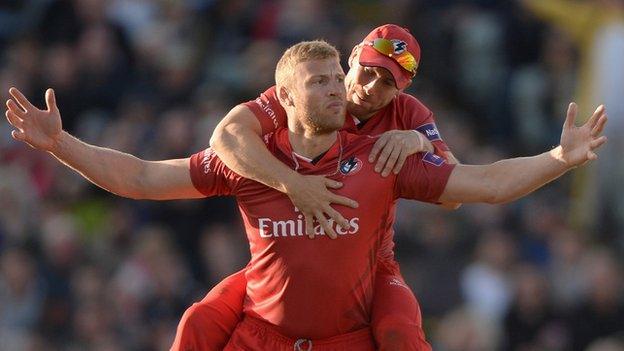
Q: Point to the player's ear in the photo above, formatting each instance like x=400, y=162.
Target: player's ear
x=354, y=53
x=407, y=86
x=284, y=96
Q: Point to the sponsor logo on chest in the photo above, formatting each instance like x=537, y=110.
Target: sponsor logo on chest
x=269, y=228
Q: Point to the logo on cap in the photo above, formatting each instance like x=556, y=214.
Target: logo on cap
x=399, y=46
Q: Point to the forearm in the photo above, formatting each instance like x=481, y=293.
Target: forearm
x=505, y=180
x=117, y=172
x=244, y=152
x=517, y=177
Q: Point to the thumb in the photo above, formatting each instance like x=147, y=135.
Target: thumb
x=332, y=184
x=51, y=100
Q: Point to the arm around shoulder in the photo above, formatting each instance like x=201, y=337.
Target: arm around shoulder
x=237, y=140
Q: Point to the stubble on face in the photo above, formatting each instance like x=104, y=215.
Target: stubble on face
x=318, y=120
x=361, y=104
x=318, y=111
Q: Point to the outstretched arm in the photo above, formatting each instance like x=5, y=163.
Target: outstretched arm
x=120, y=173
x=238, y=143
x=507, y=180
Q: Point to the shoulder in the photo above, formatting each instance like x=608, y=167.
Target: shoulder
x=355, y=143
x=410, y=103
x=266, y=100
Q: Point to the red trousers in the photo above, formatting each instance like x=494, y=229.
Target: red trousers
x=396, y=321
x=254, y=334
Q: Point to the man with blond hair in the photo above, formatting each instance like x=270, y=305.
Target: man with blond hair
x=308, y=294
x=381, y=68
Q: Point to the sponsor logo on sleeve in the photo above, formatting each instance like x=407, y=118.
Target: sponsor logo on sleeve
x=397, y=282
x=266, y=107
x=267, y=138
x=430, y=131
x=433, y=159
x=209, y=154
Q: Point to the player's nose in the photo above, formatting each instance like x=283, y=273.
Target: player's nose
x=337, y=89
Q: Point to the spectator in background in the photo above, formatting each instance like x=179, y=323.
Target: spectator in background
x=486, y=284
x=532, y=322
x=22, y=295
x=601, y=313
x=596, y=27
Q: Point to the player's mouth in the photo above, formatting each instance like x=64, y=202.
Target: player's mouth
x=360, y=97
x=336, y=104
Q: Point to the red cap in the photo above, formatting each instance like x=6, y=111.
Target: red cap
x=403, y=40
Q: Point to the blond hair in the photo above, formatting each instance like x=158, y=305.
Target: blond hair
x=302, y=52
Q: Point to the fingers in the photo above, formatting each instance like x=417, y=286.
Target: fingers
x=383, y=157
x=596, y=116
x=591, y=156
x=326, y=224
x=18, y=135
x=394, y=156
x=50, y=98
x=337, y=217
x=345, y=201
x=21, y=99
x=379, y=144
x=599, y=126
x=320, y=217
x=337, y=199
x=594, y=144
x=14, y=120
x=12, y=106
x=427, y=145
x=571, y=115
x=399, y=164
x=309, y=224
x=332, y=184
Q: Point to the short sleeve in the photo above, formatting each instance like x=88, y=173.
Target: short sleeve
x=211, y=176
x=268, y=111
x=419, y=117
x=423, y=177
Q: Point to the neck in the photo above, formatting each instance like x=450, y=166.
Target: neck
x=359, y=113
x=311, y=145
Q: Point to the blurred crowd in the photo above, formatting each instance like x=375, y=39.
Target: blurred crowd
x=81, y=269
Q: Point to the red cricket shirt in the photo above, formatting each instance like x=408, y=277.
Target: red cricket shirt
x=404, y=113
x=318, y=288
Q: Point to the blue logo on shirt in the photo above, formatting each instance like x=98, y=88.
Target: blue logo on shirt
x=433, y=159
x=350, y=166
x=430, y=131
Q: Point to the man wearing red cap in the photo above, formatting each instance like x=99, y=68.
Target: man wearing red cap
x=308, y=294
x=381, y=67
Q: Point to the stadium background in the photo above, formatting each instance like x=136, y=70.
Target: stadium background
x=81, y=269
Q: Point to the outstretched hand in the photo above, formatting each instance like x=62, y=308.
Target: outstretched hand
x=38, y=128
x=579, y=144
